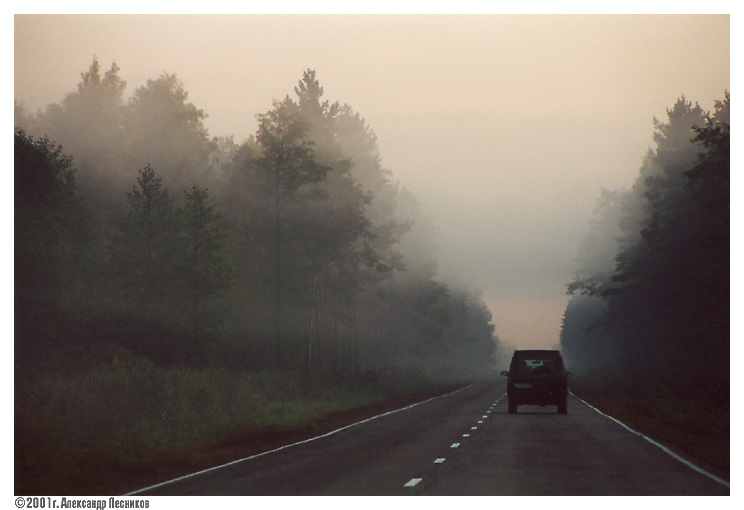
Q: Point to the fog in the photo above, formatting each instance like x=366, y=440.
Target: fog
x=504, y=128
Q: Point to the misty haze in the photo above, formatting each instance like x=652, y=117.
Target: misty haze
x=219, y=253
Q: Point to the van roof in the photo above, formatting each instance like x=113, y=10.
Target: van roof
x=537, y=353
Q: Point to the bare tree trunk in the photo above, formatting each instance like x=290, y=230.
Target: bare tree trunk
x=278, y=271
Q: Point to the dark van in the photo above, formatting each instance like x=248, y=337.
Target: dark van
x=537, y=378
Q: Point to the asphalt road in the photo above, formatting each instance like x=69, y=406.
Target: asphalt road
x=462, y=444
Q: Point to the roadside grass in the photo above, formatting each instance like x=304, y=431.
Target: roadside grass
x=85, y=433
x=697, y=428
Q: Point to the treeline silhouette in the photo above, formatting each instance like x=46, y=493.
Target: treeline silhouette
x=294, y=249
x=650, y=302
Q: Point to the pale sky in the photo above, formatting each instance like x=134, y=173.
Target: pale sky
x=505, y=127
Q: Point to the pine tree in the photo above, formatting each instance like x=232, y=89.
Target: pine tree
x=167, y=131
x=147, y=246
x=205, y=272
x=89, y=122
x=288, y=178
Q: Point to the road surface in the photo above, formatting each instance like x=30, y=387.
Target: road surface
x=464, y=443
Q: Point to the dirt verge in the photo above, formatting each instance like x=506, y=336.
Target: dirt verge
x=694, y=430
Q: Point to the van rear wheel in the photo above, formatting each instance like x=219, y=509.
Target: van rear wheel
x=512, y=406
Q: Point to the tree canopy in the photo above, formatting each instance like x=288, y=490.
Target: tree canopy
x=656, y=288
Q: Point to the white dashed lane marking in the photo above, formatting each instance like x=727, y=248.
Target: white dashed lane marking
x=415, y=481
x=412, y=482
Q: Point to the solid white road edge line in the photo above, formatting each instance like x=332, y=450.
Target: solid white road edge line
x=191, y=475
x=661, y=446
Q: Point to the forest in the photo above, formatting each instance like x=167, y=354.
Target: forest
x=294, y=249
x=649, y=309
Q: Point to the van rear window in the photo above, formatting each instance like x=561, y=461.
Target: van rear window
x=527, y=365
